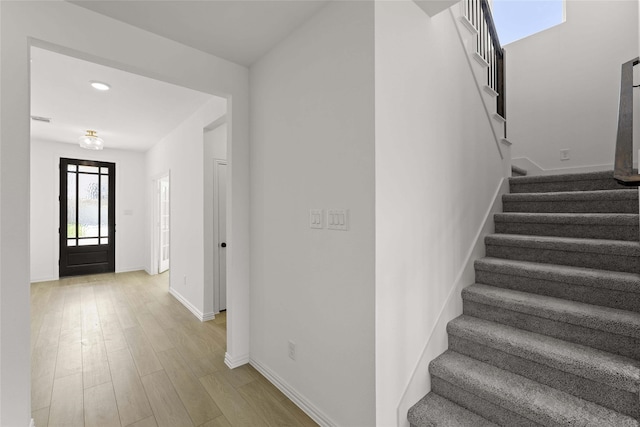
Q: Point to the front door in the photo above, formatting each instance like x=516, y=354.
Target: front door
x=87, y=217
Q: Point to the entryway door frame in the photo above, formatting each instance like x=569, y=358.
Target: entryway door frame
x=156, y=226
x=219, y=288
x=225, y=83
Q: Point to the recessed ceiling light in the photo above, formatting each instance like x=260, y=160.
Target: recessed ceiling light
x=99, y=85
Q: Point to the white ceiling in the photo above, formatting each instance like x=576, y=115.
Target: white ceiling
x=134, y=115
x=240, y=31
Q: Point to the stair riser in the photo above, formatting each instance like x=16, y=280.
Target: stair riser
x=547, y=187
x=597, y=296
x=572, y=206
x=584, y=231
x=434, y=410
x=602, y=394
x=491, y=411
x=600, y=261
x=607, y=341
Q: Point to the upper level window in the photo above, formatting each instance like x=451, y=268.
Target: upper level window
x=516, y=19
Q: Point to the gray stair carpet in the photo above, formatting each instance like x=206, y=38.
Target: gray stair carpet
x=569, y=182
x=518, y=171
x=616, y=226
x=550, y=331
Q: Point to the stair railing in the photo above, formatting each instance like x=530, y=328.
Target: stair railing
x=488, y=47
x=623, y=170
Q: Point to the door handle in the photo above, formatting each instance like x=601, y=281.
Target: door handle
x=223, y=245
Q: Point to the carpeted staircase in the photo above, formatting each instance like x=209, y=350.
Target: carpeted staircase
x=550, y=331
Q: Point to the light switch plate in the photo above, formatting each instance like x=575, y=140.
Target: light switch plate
x=338, y=219
x=316, y=218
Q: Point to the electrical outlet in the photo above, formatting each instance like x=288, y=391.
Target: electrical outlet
x=292, y=350
x=564, y=154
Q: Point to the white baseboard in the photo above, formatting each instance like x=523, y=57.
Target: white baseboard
x=32, y=423
x=208, y=316
x=234, y=362
x=193, y=309
x=307, y=407
x=129, y=270
x=534, y=169
x=53, y=278
x=44, y=279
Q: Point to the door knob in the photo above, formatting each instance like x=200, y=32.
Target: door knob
x=223, y=245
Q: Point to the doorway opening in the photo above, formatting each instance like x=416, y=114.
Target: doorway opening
x=220, y=232
x=163, y=223
x=137, y=168
x=216, y=164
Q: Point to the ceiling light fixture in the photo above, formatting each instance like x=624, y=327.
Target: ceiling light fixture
x=99, y=85
x=90, y=141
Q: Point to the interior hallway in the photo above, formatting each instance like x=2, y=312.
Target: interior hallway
x=118, y=350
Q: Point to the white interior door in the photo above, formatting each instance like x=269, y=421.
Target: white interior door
x=220, y=223
x=163, y=265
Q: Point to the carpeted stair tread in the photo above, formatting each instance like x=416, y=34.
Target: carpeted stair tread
x=597, y=201
x=564, y=182
x=602, y=367
x=628, y=282
x=615, y=255
x=618, y=226
x=567, y=177
x=518, y=171
x=436, y=411
x=618, y=194
x=621, y=219
x=532, y=400
x=601, y=201
x=600, y=246
x=605, y=319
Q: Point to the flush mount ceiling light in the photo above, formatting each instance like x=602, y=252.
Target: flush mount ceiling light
x=90, y=141
x=99, y=85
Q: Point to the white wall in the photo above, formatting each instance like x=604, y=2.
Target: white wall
x=312, y=147
x=181, y=153
x=69, y=29
x=45, y=209
x=563, y=86
x=438, y=172
x=216, y=142
x=215, y=147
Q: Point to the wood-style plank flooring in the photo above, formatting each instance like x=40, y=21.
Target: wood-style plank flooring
x=118, y=350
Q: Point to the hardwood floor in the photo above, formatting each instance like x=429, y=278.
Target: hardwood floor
x=118, y=350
